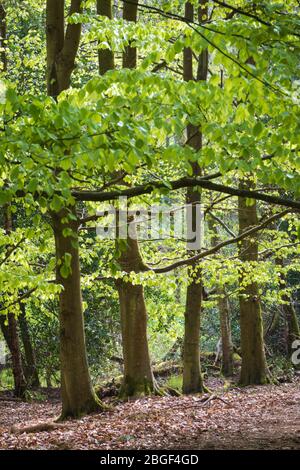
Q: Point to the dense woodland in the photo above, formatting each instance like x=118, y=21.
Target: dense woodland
x=167, y=103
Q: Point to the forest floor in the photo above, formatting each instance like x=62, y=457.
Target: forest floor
x=266, y=417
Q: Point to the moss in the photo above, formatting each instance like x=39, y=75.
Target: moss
x=134, y=388
x=175, y=381
x=236, y=357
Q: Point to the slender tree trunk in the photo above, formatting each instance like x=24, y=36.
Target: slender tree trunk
x=227, y=346
x=224, y=313
x=177, y=345
x=10, y=330
x=3, y=34
x=10, y=333
x=78, y=397
x=30, y=369
x=192, y=377
x=290, y=315
x=293, y=330
x=254, y=366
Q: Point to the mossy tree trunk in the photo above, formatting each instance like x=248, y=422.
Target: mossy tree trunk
x=192, y=377
x=254, y=366
x=78, y=397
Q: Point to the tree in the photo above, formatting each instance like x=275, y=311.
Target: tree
x=192, y=379
x=254, y=366
x=30, y=368
x=9, y=326
x=224, y=313
x=138, y=377
x=78, y=396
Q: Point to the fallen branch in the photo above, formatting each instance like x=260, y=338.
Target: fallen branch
x=215, y=397
x=37, y=427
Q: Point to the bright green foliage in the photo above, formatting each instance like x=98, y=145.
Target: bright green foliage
x=134, y=122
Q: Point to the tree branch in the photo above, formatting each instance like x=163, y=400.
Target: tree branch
x=198, y=257
x=185, y=182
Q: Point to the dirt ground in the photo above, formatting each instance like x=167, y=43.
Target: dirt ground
x=266, y=417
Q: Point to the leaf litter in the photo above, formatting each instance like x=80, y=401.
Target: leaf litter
x=260, y=417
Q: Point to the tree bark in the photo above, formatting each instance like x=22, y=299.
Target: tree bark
x=30, y=368
x=192, y=377
x=78, y=397
x=254, y=366
x=106, y=56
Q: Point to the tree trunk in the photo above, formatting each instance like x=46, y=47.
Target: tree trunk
x=3, y=34
x=290, y=315
x=30, y=369
x=106, y=56
x=10, y=331
x=293, y=330
x=254, y=366
x=10, y=334
x=227, y=346
x=224, y=313
x=138, y=377
x=62, y=46
x=78, y=397
x=130, y=53
x=192, y=377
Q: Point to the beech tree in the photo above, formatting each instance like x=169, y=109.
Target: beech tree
x=192, y=379
x=78, y=396
x=254, y=367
